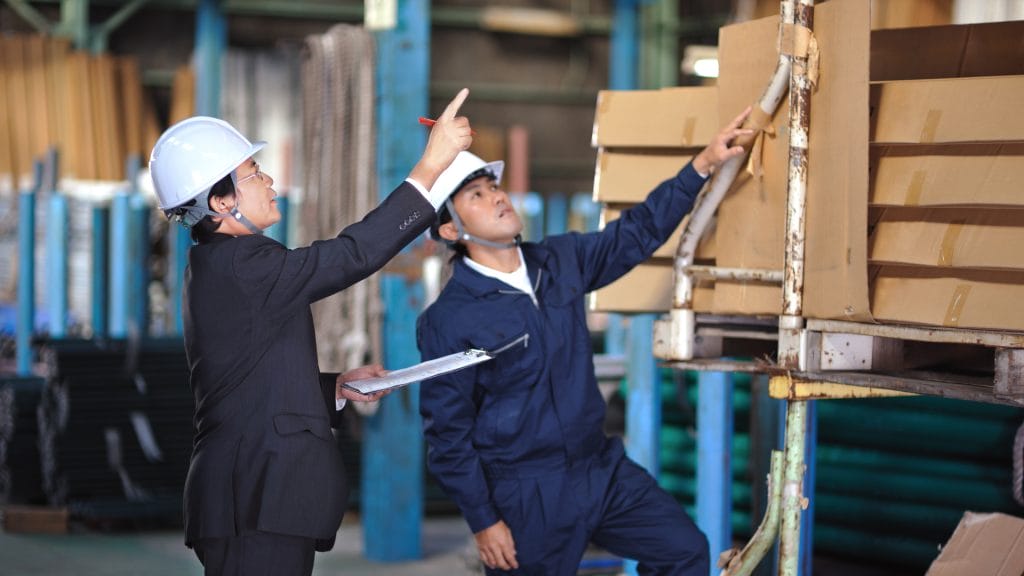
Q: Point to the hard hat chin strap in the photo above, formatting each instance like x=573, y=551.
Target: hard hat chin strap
x=191, y=215
x=463, y=235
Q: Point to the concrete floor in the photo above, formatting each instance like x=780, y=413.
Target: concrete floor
x=162, y=553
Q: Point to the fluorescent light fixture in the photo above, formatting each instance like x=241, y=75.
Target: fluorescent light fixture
x=700, y=61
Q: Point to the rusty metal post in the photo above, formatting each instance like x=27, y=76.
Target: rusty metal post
x=793, y=501
x=791, y=323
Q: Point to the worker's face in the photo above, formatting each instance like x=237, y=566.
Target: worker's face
x=255, y=195
x=486, y=212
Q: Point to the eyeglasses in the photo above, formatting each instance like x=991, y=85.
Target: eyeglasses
x=257, y=174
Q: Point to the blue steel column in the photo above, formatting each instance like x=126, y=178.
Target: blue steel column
x=714, y=459
x=392, y=483
x=57, y=264
x=624, y=49
x=120, y=263
x=27, y=272
x=643, y=401
x=556, y=214
x=210, y=43
x=138, y=251
x=100, y=215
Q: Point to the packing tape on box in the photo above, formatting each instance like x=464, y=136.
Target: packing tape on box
x=761, y=123
x=949, y=242
x=913, y=197
x=689, y=126
x=931, y=126
x=795, y=40
x=956, y=305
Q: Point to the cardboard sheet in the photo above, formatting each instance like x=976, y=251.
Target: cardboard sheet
x=752, y=217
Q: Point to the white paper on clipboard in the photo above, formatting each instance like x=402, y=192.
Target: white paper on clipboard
x=422, y=371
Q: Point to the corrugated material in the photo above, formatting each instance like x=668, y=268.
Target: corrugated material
x=949, y=237
x=670, y=117
x=705, y=249
x=947, y=175
x=629, y=174
x=647, y=288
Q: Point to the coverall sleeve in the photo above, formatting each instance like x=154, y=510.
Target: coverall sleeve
x=607, y=255
x=283, y=280
x=449, y=417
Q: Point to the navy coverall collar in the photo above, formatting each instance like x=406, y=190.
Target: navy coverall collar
x=535, y=256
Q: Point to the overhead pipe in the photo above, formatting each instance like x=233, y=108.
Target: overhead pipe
x=676, y=337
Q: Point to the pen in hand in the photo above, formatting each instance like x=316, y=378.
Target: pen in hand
x=430, y=123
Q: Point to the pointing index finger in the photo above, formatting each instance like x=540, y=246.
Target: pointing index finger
x=455, y=104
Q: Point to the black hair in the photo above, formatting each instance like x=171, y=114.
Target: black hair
x=204, y=230
x=444, y=216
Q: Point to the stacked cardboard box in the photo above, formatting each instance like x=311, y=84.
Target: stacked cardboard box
x=644, y=137
x=914, y=210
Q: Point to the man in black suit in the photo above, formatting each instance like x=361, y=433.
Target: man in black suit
x=266, y=485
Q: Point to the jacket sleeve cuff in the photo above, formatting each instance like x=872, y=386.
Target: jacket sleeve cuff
x=480, y=517
x=329, y=387
x=689, y=175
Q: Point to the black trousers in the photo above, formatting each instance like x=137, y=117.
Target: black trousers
x=256, y=554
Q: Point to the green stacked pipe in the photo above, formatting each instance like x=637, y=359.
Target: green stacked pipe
x=894, y=476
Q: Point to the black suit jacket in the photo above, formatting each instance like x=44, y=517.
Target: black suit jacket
x=264, y=457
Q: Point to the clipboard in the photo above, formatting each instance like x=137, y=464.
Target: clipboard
x=422, y=371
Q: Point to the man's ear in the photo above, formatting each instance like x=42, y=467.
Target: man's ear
x=448, y=231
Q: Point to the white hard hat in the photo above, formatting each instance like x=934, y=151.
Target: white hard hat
x=193, y=155
x=466, y=164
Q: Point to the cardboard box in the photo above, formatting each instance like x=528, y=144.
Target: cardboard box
x=982, y=109
x=946, y=237
x=646, y=288
x=949, y=297
x=671, y=118
x=705, y=248
x=629, y=175
x=983, y=545
x=947, y=175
